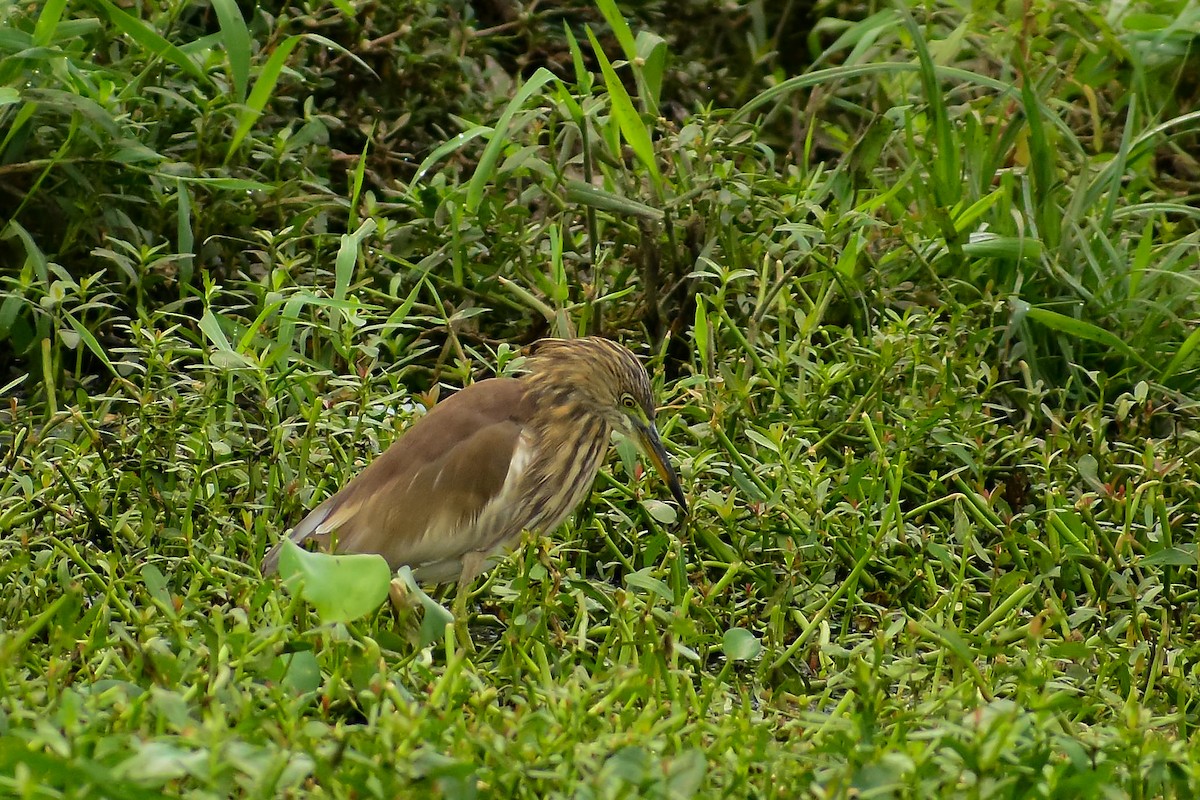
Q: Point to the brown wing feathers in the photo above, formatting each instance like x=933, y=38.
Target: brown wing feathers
x=437, y=477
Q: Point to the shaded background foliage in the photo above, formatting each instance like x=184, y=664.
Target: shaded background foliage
x=96, y=166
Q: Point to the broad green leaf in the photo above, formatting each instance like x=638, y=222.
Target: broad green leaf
x=740, y=644
x=685, y=775
x=298, y=671
x=1170, y=556
x=340, y=588
x=652, y=50
x=642, y=579
x=433, y=625
x=662, y=512
x=211, y=328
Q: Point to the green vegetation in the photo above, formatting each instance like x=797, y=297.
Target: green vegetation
x=919, y=287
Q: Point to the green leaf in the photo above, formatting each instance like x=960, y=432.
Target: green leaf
x=433, y=625
x=630, y=123
x=340, y=588
x=298, y=671
x=620, y=28
x=43, y=30
x=1012, y=248
x=237, y=44
x=652, y=50
x=642, y=579
x=740, y=644
x=90, y=341
x=685, y=775
x=156, y=584
x=1089, y=471
x=211, y=328
x=588, y=195
x=495, y=146
x=1182, y=356
x=1171, y=556
x=945, y=168
x=662, y=512
x=347, y=257
x=1078, y=328
x=264, y=86
x=150, y=40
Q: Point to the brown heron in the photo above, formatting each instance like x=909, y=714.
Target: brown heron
x=499, y=457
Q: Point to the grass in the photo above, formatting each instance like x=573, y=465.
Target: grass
x=921, y=319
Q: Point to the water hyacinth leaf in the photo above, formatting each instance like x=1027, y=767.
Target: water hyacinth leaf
x=340, y=588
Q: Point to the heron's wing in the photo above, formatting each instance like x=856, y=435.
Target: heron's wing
x=417, y=502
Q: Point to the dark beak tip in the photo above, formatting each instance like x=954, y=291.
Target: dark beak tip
x=654, y=446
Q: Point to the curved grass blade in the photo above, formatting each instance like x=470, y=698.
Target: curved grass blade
x=149, y=39
x=236, y=39
x=491, y=154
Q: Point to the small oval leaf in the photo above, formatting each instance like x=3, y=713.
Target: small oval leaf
x=740, y=644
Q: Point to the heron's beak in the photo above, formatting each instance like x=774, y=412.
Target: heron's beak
x=652, y=446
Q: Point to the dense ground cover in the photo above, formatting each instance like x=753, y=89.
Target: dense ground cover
x=918, y=287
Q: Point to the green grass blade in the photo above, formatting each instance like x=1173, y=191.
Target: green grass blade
x=90, y=341
x=1078, y=328
x=594, y=197
x=150, y=40
x=1182, y=357
x=630, y=123
x=444, y=149
x=347, y=257
x=485, y=171
x=946, y=169
x=356, y=184
x=264, y=87
x=43, y=30
x=236, y=39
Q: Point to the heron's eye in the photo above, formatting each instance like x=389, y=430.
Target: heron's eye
x=628, y=401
